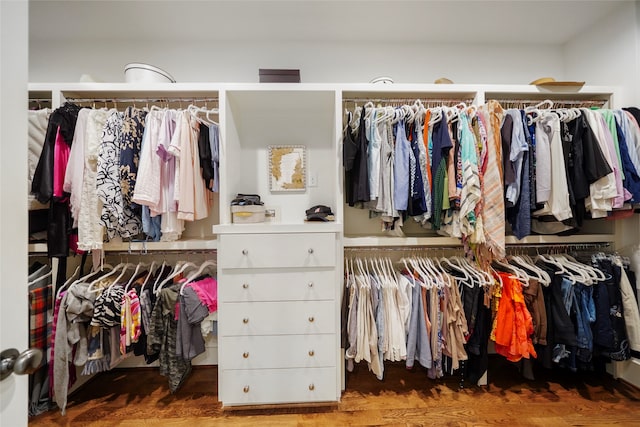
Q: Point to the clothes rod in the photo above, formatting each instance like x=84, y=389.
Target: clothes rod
x=153, y=252
x=560, y=246
x=557, y=103
x=402, y=248
x=430, y=101
x=131, y=100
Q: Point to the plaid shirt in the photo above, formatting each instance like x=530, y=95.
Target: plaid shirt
x=40, y=315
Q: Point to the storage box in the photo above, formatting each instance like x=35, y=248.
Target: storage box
x=270, y=75
x=247, y=214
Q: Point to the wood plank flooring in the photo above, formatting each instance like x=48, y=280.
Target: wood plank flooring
x=140, y=397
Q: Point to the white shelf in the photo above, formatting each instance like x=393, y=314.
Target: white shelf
x=370, y=241
x=142, y=247
x=441, y=241
x=178, y=245
x=561, y=240
x=35, y=248
x=308, y=227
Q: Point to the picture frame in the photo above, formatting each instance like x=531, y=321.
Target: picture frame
x=287, y=168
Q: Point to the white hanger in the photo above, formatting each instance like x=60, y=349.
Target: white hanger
x=436, y=275
x=538, y=273
x=146, y=280
x=133, y=276
x=576, y=268
x=436, y=115
x=175, y=273
x=47, y=274
x=595, y=273
x=520, y=274
x=69, y=280
x=113, y=271
x=195, y=275
x=562, y=270
x=471, y=269
x=125, y=267
x=465, y=276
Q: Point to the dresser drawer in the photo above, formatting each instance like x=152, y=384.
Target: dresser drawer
x=276, y=285
x=277, y=250
x=277, y=318
x=272, y=386
x=278, y=351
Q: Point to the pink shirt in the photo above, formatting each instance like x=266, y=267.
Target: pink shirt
x=60, y=159
x=207, y=291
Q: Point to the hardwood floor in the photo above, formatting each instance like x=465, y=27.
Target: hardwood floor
x=140, y=397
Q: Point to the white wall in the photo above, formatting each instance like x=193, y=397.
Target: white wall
x=204, y=61
x=13, y=203
x=608, y=53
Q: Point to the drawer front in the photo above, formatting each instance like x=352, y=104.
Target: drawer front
x=272, y=386
x=278, y=351
x=275, y=285
x=277, y=318
x=277, y=250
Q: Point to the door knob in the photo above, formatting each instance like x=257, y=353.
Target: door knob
x=23, y=363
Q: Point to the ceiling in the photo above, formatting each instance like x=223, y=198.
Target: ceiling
x=470, y=21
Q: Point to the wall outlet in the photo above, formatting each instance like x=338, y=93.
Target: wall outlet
x=313, y=179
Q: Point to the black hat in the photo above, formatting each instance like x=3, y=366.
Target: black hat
x=319, y=213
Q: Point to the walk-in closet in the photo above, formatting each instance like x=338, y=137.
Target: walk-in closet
x=419, y=223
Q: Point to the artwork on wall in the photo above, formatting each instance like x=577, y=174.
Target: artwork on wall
x=287, y=168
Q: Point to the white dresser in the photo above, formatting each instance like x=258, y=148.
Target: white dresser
x=278, y=320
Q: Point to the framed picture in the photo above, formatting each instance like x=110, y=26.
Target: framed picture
x=287, y=168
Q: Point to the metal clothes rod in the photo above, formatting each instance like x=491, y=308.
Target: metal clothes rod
x=402, y=248
x=425, y=102
x=556, y=102
x=152, y=252
x=131, y=100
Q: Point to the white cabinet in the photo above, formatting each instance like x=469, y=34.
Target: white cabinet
x=278, y=318
x=279, y=282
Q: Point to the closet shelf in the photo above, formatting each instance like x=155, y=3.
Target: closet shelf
x=372, y=241
x=186, y=245
x=310, y=227
x=141, y=247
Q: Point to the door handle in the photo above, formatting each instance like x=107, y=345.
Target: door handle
x=23, y=363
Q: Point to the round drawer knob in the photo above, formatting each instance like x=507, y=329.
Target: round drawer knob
x=245, y=320
x=310, y=284
x=312, y=387
x=245, y=355
x=246, y=389
x=311, y=319
x=311, y=353
x=245, y=252
x=245, y=286
x=310, y=250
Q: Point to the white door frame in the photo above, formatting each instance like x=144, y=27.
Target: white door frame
x=14, y=69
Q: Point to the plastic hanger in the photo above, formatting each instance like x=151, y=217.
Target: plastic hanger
x=197, y=274
x=125, y=267
x=44, y=276
x=146, y=280
x=465, y=276
x=471, y=269
x=437, y=279
x=133, y=276
x=595, y=273
x=536, y=271
x=176, y=272
x=113, y=271
x=69, y=280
